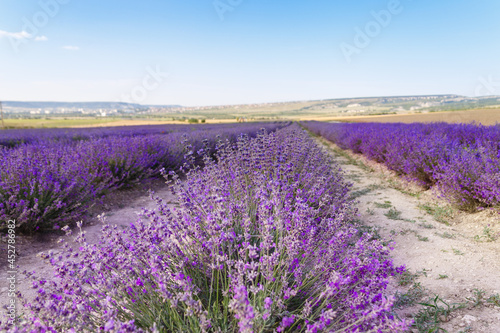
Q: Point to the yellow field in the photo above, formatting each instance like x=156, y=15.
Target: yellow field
x=136, y=122
x=483, y=116
x=92, y=122
x=55, y=122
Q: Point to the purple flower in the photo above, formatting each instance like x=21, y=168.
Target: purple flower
x=110, y=325
x=268, y=303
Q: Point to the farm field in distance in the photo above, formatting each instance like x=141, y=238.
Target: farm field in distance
x=59, y=122
x=449, y=108
x=488, y=116
x=480, y=116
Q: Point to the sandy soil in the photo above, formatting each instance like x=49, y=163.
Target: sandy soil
x=448, y=260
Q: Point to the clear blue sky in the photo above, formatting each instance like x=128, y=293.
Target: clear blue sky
x=261, y=51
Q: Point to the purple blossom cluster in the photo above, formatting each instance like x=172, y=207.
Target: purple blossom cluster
x=461, y=160
x=50, y=182
x=262, y=241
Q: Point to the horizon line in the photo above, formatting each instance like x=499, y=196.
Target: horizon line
x=275, y=102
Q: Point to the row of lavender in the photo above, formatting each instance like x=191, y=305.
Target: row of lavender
x=48, y=183
x=262, y=241
x=15, y=137
x=461, y=160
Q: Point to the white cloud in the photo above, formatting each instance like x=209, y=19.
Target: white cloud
x=16, y=35
x=71, y=48
x=22, y=35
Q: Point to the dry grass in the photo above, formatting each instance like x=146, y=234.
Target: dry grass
x=131, y=122
x=93, y=122
x=483, y=116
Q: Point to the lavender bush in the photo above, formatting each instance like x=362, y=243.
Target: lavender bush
x=49, y=183
x=262, y=242
x=461, y=160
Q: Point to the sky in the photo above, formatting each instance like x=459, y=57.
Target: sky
x=212, y=52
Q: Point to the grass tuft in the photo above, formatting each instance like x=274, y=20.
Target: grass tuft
x=440, y=214
x=393, y=214
x=385, y=205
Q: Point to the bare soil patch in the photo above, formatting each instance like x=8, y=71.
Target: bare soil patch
x=449, y=254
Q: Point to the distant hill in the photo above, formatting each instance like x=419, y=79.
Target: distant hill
x=80, y=105
x=293, y=110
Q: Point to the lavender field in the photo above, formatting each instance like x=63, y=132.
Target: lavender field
x=265, y=234
x=48, y=178
x=263, y=240
x=462, y=161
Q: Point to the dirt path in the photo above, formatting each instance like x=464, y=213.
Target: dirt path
x=120, y=208
x=457, y=261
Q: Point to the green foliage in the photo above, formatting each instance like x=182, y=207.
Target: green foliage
x=428, y=319
x=494, y=299
x=359, y=193
x=409, y=298
x=440, y=214
x=386, y=204
x=477, y=298
x=446, y=235
x=351, y=160
x=393, y=214
x=422, y=239
x=487, y=236
x=407, y=278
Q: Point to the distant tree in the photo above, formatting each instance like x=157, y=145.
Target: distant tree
x=203, y=121
x=193, y=121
